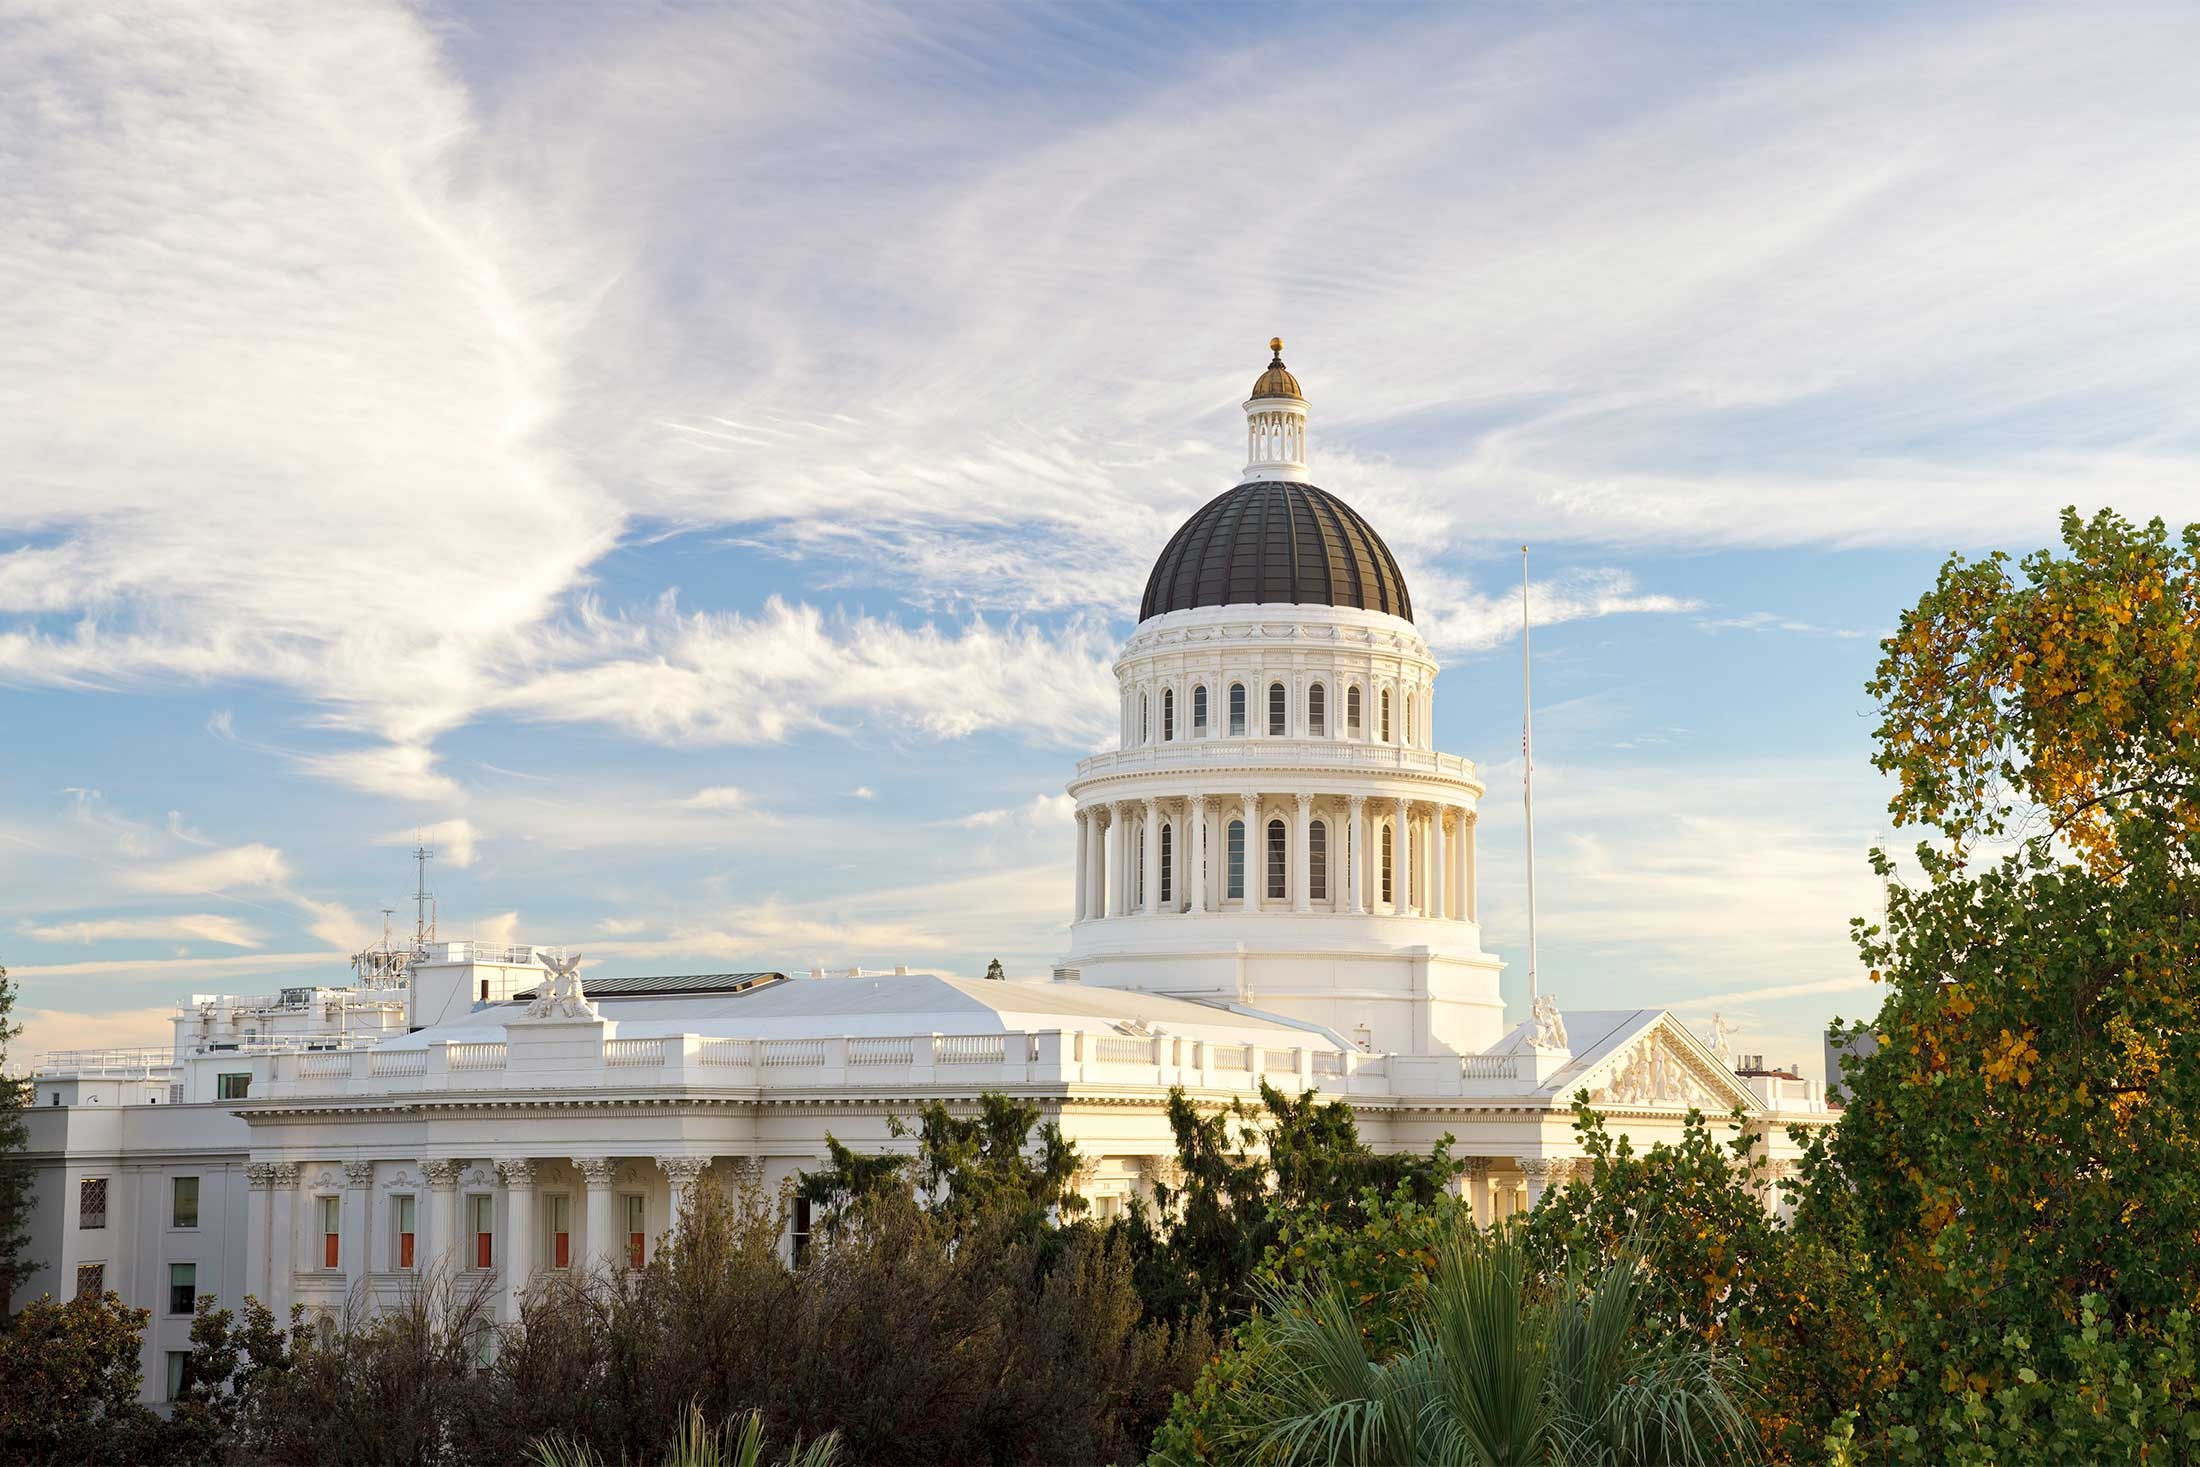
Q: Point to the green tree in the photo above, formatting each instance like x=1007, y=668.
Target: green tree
x=966, y=1166
x=69, y=1384
x=2018, y=1157
x=1490, y=1369
x=15, y=1173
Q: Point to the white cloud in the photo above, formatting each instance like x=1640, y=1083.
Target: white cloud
x=246, y=866
x=50, y=1029
x=862, y=792
x=455, y=841
x=1043, y=813
x=716, y=797
x=196, y=927
x=501, y=930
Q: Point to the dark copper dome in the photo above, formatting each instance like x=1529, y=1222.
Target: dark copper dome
x=1276, y=541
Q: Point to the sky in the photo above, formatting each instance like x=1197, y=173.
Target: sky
x=691, y=464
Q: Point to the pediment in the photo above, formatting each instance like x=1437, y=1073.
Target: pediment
x=1663, y=1064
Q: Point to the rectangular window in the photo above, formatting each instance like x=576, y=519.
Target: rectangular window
x=1138, y=886
x=91, y=1280
x=179, y=1369
x=481, y=1218
x=800, y=1231
x=637, y=1235
x=232, y=1087
x=1237, y=860
x=1199, y=710
x=1237, y=710
x=1386, y=716
x=1168, y=714
x=1386, y=863
x=1317, y=711
x=1352, y=712
x=91, y=1202
x=1278, y=710
x=1168, y=864
x=1317, y=856
x=183, y=1287
x=1277, y=863
x=405, y=1214
x=331, y=1230
x=183, y=1207
x=557, y=1222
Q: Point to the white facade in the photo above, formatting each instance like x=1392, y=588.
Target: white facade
x=338, y=1142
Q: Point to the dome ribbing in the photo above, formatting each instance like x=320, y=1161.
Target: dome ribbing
x=1276, y=541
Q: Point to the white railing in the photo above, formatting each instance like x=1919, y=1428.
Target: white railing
x=482, y=1055
x=634, y=1051
x=1489, y=1067
x=970, y=1049
x=1279, y=1062
x=1328, y=1062
x=104, y=1063
x=726, y=1052
x=1241, y=752
x=398, y=1062
x=321, y=1065
x=1231, y=1057
x=866, y=1051
x=1117, y=1049
x=792, y=1054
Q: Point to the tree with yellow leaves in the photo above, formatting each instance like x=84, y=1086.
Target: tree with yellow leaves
x=2020, y=1157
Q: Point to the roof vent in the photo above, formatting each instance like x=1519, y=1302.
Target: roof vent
x=1069, y=975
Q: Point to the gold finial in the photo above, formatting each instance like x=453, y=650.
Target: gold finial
x=1275, y=344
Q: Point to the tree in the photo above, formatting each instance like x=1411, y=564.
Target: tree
x=2018, y=1157
x=967, y=1167
x=994, y=973
x=70, y=1377
x=232, y=1359
x=15, y=1172
x=738, y=1443
x=1491, y=1369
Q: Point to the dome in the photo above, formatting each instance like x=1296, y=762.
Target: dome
x=1276, y=541
x=1277, y=381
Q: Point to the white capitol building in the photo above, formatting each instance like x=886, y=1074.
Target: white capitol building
x=1275, y=880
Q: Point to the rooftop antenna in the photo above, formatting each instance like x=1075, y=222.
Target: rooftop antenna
x=423, y=924
x=1527, y=767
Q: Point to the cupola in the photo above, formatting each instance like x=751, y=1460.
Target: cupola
x=1275, y=423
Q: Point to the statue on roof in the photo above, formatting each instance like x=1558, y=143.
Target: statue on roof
x=1722, y=1043
x=561, y=996
x=1547, y=1030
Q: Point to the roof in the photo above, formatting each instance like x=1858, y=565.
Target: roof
x=1277, y=381
x=893, y=1004
x=1276, y=541
x=672, y=983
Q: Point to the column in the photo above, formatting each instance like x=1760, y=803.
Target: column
x=1256, y=852
x=1356, y=852
x=282, y=1232
x=518, y=1176
x=1439, y=874
x=1302, y=864
x=1470, y=905
x=1544, y=1172
x=602, y=1240
x=441, y=1251
x=1119, y=862
x=1096, y=862
x=1152, y=858
x=1195, y=866
x=259, y=1210
x=682, y=1172
x=358, y=1244
x=1401, y=859
x=1077, y=905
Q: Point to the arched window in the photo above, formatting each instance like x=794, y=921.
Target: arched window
x=1386, y=716
x=1236, y=890
x=1352, y=712
x=1276, y=860
x=1237, y=710
x=1279, y=710
x=1317, y=861
x=1386, y=861
x=1145, y=721
x=1317, y=711
x=1168, y=714
x=1168, y=864
x=1199, y=711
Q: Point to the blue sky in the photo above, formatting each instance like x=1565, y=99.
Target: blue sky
x=692, y=463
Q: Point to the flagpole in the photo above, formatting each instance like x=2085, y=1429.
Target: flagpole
x=1527, y=768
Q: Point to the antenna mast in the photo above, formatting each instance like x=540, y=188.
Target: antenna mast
x=1527, y=767
x=423, y=924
